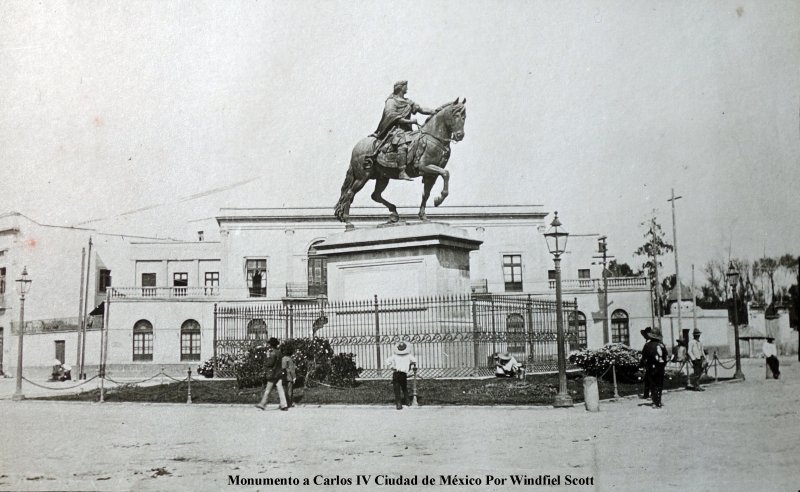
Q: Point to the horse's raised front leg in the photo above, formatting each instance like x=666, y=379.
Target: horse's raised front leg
x=380, y=185
x=445, y=174
x=427, y=182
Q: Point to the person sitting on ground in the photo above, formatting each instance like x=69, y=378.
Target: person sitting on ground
x=65, y=373
x=771, y=353
x=55, y=375
x=506, y=366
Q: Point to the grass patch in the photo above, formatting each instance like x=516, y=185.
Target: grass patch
x=533, y=390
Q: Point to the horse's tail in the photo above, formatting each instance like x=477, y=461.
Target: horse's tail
x=344, y=199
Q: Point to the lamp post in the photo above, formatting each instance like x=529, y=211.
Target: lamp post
x=556, y=238
x=733, y=281
x=24, y=284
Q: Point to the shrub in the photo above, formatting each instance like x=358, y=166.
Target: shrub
x=595, y=362
x=224, y=362
x=313, y=359
x=251, y=369
x=344, y=370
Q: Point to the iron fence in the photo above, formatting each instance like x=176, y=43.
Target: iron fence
x=451, y=336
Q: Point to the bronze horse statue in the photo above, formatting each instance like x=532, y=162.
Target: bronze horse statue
x=428, y=156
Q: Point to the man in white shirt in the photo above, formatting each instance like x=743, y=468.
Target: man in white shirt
x=506, y=366
x=771, y=353
x=402, y=362
x=697, y=356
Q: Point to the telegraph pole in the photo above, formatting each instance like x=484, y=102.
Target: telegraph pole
x=675, y=245
x=602, y=248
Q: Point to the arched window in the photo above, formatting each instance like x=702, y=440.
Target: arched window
x=257, y=329
x=515, y=333
x=317, y=272
x=190, y=340
x=143, y=340
x=577, y=327
x=619, y=327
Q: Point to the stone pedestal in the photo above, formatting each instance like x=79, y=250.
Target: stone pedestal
x=403, y=260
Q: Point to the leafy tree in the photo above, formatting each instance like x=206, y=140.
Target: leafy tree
x=655, y=246
x=620, y=269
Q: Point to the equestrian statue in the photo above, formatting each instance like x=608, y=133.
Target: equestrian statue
x=396, y=151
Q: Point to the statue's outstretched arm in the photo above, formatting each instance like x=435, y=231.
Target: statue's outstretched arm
x=425, y=110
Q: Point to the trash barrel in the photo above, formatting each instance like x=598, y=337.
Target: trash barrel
x=591, y=395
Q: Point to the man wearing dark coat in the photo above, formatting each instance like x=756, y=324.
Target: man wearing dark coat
x=396, y=123
x=646, y=393
x=654, y=355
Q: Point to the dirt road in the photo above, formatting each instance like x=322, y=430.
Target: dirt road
x=734, y=436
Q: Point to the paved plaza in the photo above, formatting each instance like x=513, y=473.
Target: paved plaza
x=734, y=436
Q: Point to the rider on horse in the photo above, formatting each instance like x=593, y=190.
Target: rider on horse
x=395, y=126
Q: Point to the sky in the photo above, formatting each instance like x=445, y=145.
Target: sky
x=595, y=109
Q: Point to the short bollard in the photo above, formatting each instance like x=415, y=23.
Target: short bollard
x=414, y=391
x=189, y=387
x=591, y=395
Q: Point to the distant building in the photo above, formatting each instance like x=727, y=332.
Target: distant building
x=163, y=292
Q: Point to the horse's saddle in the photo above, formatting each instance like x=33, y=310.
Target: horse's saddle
x=387, y=153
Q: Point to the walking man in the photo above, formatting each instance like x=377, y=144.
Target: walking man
x=655, y=358
x=697, y=356
x=402, y=362
x=646, y=334
x=274, y=371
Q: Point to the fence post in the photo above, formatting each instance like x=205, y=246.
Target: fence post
x=494, y=332
x=715, y=366
x=614, y=375
x=528, y=331
x=214, y=355
x=475, y=334
x=377, y=337
x=291, y=321
x=189, y=387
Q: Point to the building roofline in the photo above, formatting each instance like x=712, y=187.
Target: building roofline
x=325, y=214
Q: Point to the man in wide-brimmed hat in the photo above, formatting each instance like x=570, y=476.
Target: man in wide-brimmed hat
x=506, y=366
x=655, y=356
x=697, y=356
x=646, y=392
x=402, y=363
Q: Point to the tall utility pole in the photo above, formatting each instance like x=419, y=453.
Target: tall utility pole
x=602, y=248
x=655, y=268
x=677, y=274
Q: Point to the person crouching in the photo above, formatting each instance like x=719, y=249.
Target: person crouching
x=506, y=366
x=402, y=362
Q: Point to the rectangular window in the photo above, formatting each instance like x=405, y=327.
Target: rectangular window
x=103, y=280
x=143, y=346
x=2, y=281
x=257, y=277
x=584, y=277
x=190, y=345
x=317, y=276
x=148, y=284
x=212, y=283
x=180, y=280
x=512, y=272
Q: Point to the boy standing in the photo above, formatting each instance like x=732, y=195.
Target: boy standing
x=289, y=374
x=402, y=362
x=273, y=364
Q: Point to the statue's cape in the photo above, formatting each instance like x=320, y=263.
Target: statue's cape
x=395, y=109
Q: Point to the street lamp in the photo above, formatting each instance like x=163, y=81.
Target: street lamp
x=24, y=285
x=733, y=281
x=556, y=238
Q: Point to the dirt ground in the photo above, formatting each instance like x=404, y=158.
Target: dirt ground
x=734, y=436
